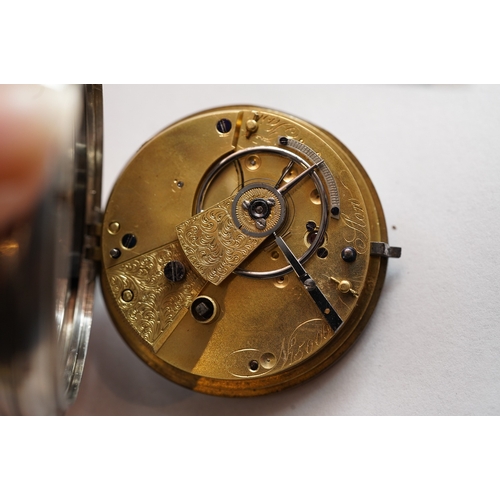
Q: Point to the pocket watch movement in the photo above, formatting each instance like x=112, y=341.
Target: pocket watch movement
x=242, y=251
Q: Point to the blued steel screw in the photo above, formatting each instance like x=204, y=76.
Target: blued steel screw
x=175, y=271
x=349, y=254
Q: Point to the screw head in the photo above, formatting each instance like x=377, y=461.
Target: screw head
x=260, y=223
x=175, y=271
x=349, y=254
x=259, y=209
x=115, y=253
x=127, y=295
x=310, y=284
x=322, y=253
x=283, y=141
x=224, y=126
x=335, y=211
x=129, y=240
x=310, y=226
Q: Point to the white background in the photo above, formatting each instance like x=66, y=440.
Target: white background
x=432, y=347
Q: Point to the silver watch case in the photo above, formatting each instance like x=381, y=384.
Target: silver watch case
x=47, y=277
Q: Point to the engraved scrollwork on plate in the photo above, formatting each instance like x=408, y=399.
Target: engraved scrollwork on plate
x=155, y=301
x=307, y=338
x=275, y=126
x=213, y=244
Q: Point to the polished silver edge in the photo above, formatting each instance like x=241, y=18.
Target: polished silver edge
x=78, y=318
x=41, y=361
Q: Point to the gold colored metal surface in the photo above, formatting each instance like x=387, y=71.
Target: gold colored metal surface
x=213, y=244
x=150, y=303
x=236, y=320
x=344, y=286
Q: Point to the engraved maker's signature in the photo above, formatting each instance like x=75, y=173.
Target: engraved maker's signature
x=356, y=230
x=274, y=126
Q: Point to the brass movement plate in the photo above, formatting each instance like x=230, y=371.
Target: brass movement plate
x=191, y=270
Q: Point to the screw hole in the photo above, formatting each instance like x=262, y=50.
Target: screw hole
x=253, y=366
x=312, y=236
